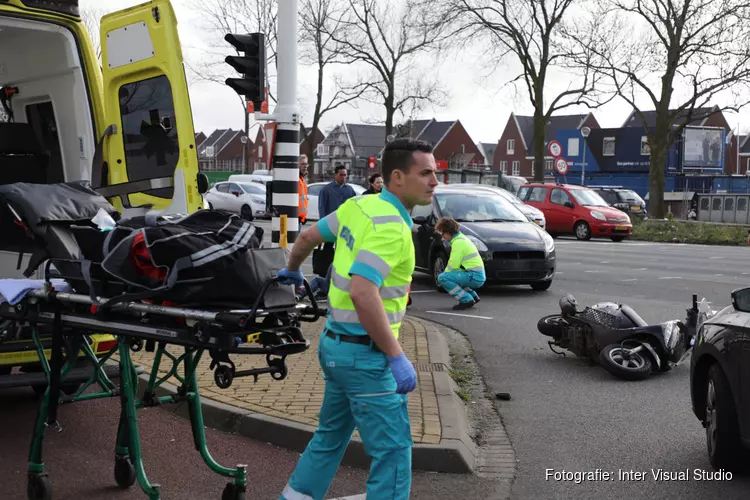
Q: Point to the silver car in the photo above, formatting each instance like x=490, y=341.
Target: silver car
x=532, y=213
x=313, y=190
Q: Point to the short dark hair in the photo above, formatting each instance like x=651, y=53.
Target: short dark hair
x=339, y=167
x=447, y=225
x=373, y=177
x=398, y=155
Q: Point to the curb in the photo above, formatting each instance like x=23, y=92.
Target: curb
x=456, y=453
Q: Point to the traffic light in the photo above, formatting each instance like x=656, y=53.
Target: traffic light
x=251, y=64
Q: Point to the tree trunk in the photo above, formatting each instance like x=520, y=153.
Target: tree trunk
x=316, y=120
x=539, y=149
x=656, y=176
x=389, y=112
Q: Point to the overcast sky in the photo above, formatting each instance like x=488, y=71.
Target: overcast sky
x=482, y=104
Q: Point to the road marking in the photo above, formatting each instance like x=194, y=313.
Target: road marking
x=456, y=314
x=671, y=278
x=718, y=275
x=641, y=269
x=715, y=258
x=604, y=262
x=630, y=279
x=593, y=271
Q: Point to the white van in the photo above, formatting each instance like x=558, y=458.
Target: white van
x=255, y=177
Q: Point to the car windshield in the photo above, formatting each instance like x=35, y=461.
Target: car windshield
x=629, y=195
x=475, y=207
x=509, y=196
x=253, y=188
x=588, y=198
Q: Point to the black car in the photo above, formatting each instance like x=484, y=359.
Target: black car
x=720, y=382
x=626, y=200
x=515, y=251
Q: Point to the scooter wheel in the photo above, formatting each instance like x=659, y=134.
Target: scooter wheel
x=627, y=366
x=551, y=326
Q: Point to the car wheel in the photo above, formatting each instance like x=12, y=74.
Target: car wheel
x=582, y=230
x=438, y=266
x=722, y=427
x=246, y=212
x=541, y=286
x=617, y=239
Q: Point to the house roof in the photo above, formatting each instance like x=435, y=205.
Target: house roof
x=555, y=123
x=219, y=138
x=435, y=132
x=699, y=115
x=488, y=149
x=367, y=140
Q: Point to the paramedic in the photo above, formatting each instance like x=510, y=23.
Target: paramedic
x=465, y=270
x=367, y=373
x=303, y=199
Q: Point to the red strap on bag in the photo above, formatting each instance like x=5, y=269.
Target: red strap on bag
x=141, y=259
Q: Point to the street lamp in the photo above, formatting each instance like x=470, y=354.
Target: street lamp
x=585, y=131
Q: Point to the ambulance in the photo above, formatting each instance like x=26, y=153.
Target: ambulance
x=125, y=125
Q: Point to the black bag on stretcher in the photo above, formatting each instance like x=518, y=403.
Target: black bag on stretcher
x=209, y=257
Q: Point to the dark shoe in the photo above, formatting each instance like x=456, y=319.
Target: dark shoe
x=477, y=299
x=463, y=305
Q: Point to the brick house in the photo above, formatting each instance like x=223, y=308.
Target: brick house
x=514, y=154
x=350, y=145
x=221, y=151
x=259, y=159
x=450, y=141
x=701, y=117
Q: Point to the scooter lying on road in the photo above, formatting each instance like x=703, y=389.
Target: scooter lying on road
x=615, y=336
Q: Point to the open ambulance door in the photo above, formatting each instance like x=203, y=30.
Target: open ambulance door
x=149, y=157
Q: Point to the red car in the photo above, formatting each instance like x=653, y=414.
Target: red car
x=571, y=209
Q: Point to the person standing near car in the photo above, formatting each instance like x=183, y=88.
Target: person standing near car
x=303, y=199
x=465, y=270
x=366, y=371
x=335, y=193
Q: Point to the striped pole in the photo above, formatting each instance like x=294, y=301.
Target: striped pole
x=285, y=187
x=285, y=165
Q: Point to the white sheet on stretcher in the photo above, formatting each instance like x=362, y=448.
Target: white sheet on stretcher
x=14, y=290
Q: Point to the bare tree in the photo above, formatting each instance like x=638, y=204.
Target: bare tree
x=390, y=39
x=531, y=33
x=650, y=49
x=235, y=16
x=318, y=19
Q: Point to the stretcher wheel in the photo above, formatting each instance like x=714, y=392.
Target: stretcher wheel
x=281, y=365
x=223, y=376
x=39, y=488
x=232, y=492
x=124, y=473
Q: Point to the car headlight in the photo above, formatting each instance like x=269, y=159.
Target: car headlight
x=478, y=243
x=549, y=243
x=258, y=199
x=598, y=215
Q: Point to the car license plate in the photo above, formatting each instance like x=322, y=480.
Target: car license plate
x=621, y=228
x=635, y=208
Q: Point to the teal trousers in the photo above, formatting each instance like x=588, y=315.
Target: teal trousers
x=360, y=393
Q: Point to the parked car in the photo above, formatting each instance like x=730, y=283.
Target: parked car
x=245, y=198
x=512, y=183
x=719, y=389
x=260, y=176
x=532, y=213
x=578, y=210
x=626, y=200
x=313, y=190
x=515, y=251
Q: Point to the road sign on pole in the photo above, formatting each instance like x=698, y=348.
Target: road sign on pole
x=561, y=166
x=554, y=148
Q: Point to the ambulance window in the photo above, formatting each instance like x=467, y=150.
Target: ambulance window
x=149, y=131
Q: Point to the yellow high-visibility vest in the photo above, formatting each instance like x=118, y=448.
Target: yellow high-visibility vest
x=464, y=254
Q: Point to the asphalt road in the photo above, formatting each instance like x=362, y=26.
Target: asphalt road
x=565, y=415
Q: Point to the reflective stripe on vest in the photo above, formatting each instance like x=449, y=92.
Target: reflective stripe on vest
x=359, y=219
x=471, y=261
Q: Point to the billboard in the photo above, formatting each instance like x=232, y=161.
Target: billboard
x=703, y=148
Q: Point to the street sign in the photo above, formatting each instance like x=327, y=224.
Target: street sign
x=562, y=166
x=554, y=148
x=371, y=162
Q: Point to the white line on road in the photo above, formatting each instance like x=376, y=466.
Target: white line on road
x=593, y=271
x=464, y=315
x=715, y=257
x=641, y=269
x=630, y=279
x=604, y=262
x=671, y=278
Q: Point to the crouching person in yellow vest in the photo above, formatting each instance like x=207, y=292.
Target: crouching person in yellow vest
x=366, y=372
x=465, y=270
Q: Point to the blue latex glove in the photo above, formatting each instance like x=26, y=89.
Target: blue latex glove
x=287, y=277
x=403, y=372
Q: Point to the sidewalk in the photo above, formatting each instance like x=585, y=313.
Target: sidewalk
x=285, y=413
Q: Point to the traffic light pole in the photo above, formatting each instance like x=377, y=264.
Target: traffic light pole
x=285, y=163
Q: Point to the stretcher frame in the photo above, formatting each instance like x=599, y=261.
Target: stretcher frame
x=135, y=325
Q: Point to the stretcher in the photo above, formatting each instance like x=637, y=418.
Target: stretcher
x=69, y=315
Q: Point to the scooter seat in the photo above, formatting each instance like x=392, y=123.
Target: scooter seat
x=633, y=316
